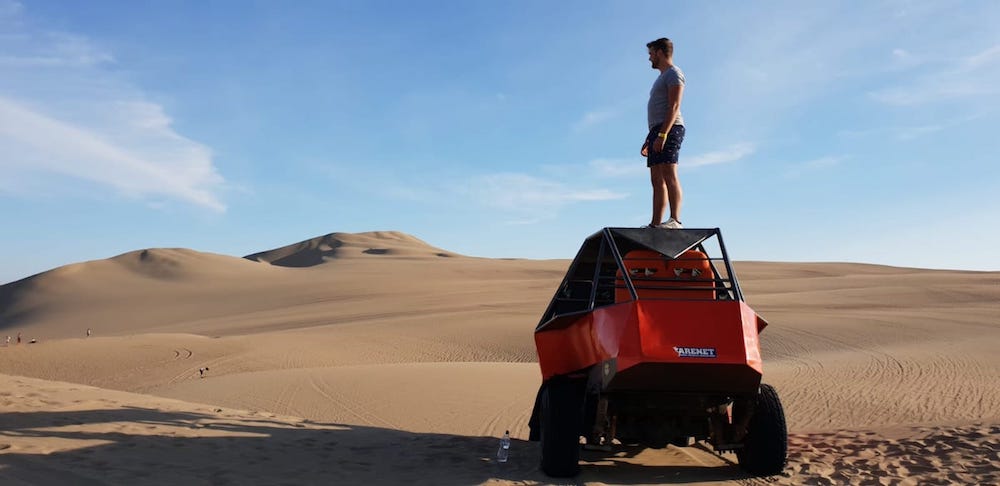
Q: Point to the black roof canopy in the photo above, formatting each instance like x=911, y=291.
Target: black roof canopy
x=669, y=243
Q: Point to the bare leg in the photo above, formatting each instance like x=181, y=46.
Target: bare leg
x=674, y=192
x=656, y=177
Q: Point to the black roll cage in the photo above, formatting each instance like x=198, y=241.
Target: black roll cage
x=598, y=268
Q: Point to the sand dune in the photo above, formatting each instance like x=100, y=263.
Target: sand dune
x=386, y=362
x=321, y=249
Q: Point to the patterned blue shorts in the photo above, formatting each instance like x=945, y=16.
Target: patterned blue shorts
x=671, y=149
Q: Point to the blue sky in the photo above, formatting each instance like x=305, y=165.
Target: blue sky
x=817, y=131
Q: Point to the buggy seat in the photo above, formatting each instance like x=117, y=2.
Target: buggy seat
x=687, y=277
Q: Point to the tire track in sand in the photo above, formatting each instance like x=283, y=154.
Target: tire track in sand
x=915, y=383
x=365, y=417
x=180, y=355
x=491, y=428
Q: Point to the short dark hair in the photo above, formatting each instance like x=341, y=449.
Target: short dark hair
x=662, y=44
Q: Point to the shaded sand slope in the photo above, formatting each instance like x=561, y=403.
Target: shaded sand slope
x=63, y=433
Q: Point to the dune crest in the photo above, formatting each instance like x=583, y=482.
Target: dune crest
x=321, y=249
x=169, y=263
x=130, y=292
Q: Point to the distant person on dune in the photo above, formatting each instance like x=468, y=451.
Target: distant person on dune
x=666, y=133
x=18, y=338
x=88, y=332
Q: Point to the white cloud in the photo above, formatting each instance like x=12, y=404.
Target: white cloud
x=359, y=177
x=631, y=167
x=909, y=132
x=54, y=50
x=36, y=143
x=801, y=168
x=524, y=199
x=783, y=62
x=592, y=118
x=525, y=222
x=828, y=161
x=983, y=58
x=903, y=59
x=729, y=154
x=625, y=167
x=64, y=115
x=814, y=55
x=972, y=76
x=516, y=198
x=928, y=91
x=524, y=192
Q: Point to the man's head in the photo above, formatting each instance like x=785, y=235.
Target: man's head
x=661, y=53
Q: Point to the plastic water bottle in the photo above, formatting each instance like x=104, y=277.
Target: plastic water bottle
x=504, y=449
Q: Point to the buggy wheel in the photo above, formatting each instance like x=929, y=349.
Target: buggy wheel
x=561, y=418
x=765, y=449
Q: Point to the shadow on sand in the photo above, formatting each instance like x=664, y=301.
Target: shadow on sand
x=148, y=446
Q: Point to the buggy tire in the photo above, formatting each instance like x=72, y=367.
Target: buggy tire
x=765, y=449
x=561, y=419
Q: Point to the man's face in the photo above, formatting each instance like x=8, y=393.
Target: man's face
x=654, y=57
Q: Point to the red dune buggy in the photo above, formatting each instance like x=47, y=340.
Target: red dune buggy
x=648, y=342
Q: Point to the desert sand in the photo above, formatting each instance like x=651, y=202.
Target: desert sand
x=376, y=358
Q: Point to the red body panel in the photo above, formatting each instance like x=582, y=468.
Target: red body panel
x=647, y=331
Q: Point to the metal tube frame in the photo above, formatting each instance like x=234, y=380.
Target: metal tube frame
x=621, y=265
x=597, y=274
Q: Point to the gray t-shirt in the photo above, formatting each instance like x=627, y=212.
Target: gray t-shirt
x=659, y=107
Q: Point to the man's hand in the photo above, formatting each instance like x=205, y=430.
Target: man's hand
x=658, y=144
x=644, y=152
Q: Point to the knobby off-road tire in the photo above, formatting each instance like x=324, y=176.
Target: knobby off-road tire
x=765, y=450
x=561, y=418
